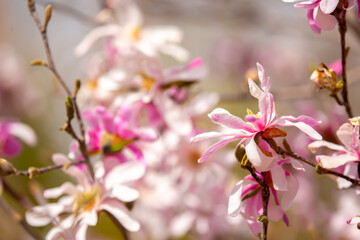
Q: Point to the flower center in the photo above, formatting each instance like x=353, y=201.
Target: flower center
x=87, y=200
x=111, y=143
x=147, y=82
x=251, y=117
x=136, y=32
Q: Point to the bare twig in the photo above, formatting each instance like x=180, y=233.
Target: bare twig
x=19, y=219
x=341, y=18
x=51, y=66
x=318, y=168
x=21, y=199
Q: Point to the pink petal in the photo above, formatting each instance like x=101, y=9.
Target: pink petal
x=254, y=89
x=308, y=130
x=275, y=213
x=11, y=147
x=308, y=4
x=344, y=133
x=213, y=148
x=226, y=119
x=289, y=195
x=311, y=21
x=182, y=223
x=351, y=171
x=324, y=21
x=208, y=135
x=336, y=66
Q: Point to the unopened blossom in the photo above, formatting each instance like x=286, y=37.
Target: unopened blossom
x=127, y=34
x=319, y=12
x=80, y=204
x=256, y=127
x=10, y=134
x=114, y=137
x=246, y=199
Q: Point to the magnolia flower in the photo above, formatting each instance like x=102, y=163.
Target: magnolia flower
x=9, y=132
x=349, y=152
x=129, y=35
x=115, y=137
x=80, y=205
x=246, y=198
x=257, y=126
x=319, y=12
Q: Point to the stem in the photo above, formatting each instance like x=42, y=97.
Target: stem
x=341, y=18
x=17, y=218
x=39, y=171
x=51, y=66
x=283, y=152
x=265, y=195
x=21, y=199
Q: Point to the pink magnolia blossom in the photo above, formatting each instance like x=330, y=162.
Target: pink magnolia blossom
x=260, y=154
x=116, y=137
x=127, y=34
x=80, y=204
x=10, y=132
x=246, y=199
x=349, y=152
x=319, y=12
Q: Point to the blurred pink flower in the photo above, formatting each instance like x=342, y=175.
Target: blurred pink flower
x=115, y=137
x=9, y=132
x=319, y=12
x=264, y=123
x=79, y=208
x=246, y=197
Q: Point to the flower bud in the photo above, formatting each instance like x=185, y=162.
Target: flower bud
x=6, y=168
x=33, y=172
x=325, y=78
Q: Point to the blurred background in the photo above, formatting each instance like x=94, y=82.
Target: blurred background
x=231, y=36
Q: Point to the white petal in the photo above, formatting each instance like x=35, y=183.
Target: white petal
x=125, y=194
x=318, y=144
x=182, y=223
x=66, y=187
x=257, y=158
x=328, y=6
x=344, y=133
x=235, y=199
x=81, y=232
x=23, y=132
x=125, y=172
x=255, y=91
x=42, y=215
x=278, y=178
x=120, y=212
x=335, y=161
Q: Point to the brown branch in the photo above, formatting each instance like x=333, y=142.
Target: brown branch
x=340, y=15
x=21, y=199
x=51, y=66
x=19, y=219
x=318, y=168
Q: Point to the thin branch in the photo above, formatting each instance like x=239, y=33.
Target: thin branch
x=21, y=199
x=51, y=66
x=17, y=218
x=341, y=18
x=318, y=168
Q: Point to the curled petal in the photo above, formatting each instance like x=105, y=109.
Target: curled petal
x=328, y=6
x=23, y=132
x=307, y=129
x=226, y=119
x=257, y=157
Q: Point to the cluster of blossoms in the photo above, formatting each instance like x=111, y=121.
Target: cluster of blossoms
x=142, y=153
x=139, y=118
